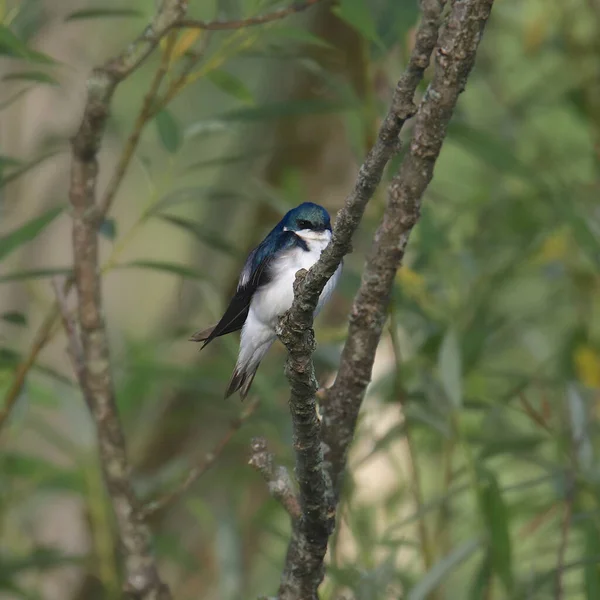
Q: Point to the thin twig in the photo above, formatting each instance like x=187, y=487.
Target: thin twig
x=277, y=477
x=70, y=327
x=155, y=506
x=276, y=15
x=562, y=548
x=134, y=137
x=415, y=472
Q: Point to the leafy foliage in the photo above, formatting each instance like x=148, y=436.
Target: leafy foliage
x=474, y=469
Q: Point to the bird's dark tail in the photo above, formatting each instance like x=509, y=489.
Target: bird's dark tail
x=241, y=380
x=202, y=335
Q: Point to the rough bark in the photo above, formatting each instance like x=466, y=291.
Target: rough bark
x=320, y=486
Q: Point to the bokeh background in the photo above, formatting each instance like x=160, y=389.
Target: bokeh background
x=474, y=473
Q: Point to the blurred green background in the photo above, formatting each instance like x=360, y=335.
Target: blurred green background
x=474, y=473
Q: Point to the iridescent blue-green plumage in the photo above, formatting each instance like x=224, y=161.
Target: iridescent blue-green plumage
x=297, y=230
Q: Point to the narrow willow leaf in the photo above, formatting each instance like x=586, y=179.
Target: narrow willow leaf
x=482, y=581
x=231, y=85
x=8, y=357
x=302, y=36
x=108, y=229
x=580, y=419
x=495, y=516
x=442, y=569
x=169, y=132
x=493, y=151
x=13, y=47
x=14, y=317
x=278, y=110
x=357, y=14
x=34, y=274
x=35, y=76
x=27, y=232
x=591, y=571
x=450, y=368
x=165, y=267
x=99, y=13
x=9, y=161
x=213, y=239
x=24, y=168
x=184, y=42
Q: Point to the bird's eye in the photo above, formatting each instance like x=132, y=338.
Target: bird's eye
x=304, y=224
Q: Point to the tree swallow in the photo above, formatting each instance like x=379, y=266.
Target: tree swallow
x=265, y=289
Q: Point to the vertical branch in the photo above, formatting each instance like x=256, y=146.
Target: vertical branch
x=319, y=490
x=454, y=58
x=141, y=575
x=303, y=571
x=142, y=579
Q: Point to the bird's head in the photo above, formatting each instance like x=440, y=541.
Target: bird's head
x=308, y=220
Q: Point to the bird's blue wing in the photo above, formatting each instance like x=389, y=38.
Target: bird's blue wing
x=255, y=274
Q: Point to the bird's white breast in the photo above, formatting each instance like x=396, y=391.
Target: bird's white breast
x=274, y=299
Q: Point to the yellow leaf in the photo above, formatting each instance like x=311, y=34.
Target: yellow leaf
x=555, y=247
x=185, y=42
x=587, y=365
x=412, y=283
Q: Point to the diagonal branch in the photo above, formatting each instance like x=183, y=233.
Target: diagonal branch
x=277, y=477
x=155, y=506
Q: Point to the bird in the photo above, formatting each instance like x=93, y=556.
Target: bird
x=265, y=289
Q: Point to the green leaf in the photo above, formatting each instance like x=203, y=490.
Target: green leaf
x=108, y=229
x=491, y=150
x=482, y=581
x=9, y=161
x=27, y=232
x=44, y=473
x=12, y=46
x=14, y=317
x=443, y=568
x=21, y=170
x=35, y=76
x=165, y=267
x=8, y=357
x=278, y=110
x=168, y=131
x=450, y=368
x=356, y=13
x=211, y=238
x=96, y=13
x=495, y=516
x=231, y=85
x=35, y=274
x=302, y=36
x=591, y=570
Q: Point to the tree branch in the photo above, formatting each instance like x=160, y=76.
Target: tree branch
x=151, y=508
x=101, y=86
x=276, y=15
x=277, y=478
x=454, y=59
x=303, y=568
x=141, y=575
